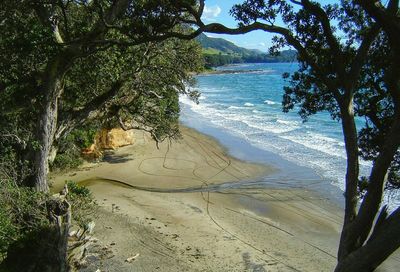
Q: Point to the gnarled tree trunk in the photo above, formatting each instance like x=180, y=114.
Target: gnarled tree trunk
x=52, y=89
x=352, y=170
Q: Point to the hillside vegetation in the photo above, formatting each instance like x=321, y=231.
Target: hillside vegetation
x=218, y=52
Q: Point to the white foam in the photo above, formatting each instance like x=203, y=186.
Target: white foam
x=321, y=143
x=235, y=108
x=304, y=144
x=270, y=102
x=287, y=122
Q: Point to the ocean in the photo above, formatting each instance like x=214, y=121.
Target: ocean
x=248, y=107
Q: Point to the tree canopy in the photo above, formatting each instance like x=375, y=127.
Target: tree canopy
x=67, y=63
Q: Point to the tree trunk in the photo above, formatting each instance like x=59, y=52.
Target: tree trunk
x=46, y=128
x=368, y=257
x=60, y=217
x=52, y=88
x=350, y=138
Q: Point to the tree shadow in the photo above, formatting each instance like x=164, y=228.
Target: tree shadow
x=111, y=157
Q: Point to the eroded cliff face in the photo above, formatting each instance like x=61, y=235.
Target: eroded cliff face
x=114, y=138
x=109, y=139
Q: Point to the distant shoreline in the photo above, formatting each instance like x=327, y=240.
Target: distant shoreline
x=222, y=72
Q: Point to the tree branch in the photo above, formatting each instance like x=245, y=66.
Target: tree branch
x=333, y=43
x=47, y=21
x=79, y=117
x=387, y=18
x=362, y=53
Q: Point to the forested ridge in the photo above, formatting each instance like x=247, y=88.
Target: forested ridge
x=218, y=52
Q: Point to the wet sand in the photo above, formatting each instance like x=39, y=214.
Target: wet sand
x=168, y=206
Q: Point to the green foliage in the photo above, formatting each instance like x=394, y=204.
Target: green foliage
x=83, y=138
x=82, y=203
x=22, y=212
x=69, y=148
x=107, y=74
x=66, y=161
x=76, y=190
x=8, y=232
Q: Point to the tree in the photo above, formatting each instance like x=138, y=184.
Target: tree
x=349, y=68
x=66, y=62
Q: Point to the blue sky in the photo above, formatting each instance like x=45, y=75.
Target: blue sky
x=218, y=11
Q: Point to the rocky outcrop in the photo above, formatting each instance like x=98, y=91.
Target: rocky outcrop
x=114, y=138
x=109, y=139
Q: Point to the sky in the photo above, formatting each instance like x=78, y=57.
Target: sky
x=217, y=11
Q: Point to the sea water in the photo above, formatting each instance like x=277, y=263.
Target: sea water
x=248, y=105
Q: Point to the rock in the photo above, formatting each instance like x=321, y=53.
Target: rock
x=73, y=231
x=90, y=226
x=92, y=152
x=114, y=138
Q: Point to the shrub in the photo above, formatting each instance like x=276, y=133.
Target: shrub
x=22, y=212
x=83, y=138
x=65, y=161
x=69, y=149
x=82, y=203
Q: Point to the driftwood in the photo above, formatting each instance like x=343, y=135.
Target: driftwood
x=131, y=259
x=79, y=241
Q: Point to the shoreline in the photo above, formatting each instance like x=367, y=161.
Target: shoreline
x=162, y=211
x=289, y=174
x=223, y=72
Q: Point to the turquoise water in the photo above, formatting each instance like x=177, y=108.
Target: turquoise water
x=248, y=106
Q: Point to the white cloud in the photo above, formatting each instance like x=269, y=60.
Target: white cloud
x=262, y=44
x=210, y=13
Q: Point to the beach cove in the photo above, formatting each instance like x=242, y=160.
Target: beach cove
x=245, y=189
x=190, y=206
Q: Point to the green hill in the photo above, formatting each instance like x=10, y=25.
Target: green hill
x=219, y=52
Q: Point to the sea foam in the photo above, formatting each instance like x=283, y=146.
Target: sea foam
x=318, y=142
x=270, y=102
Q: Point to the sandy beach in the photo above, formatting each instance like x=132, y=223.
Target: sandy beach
x=177, y=208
